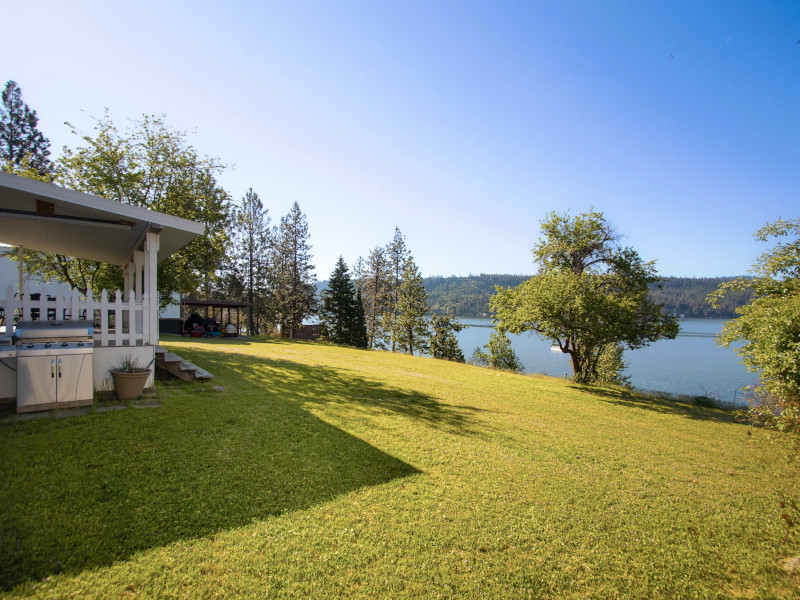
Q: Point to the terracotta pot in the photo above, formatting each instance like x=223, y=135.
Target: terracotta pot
x=128, y=384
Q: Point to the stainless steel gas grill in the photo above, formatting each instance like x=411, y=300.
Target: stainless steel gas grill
x=54, y=364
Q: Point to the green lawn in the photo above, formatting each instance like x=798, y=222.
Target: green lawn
x=323, y=472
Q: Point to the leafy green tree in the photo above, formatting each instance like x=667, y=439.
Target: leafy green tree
x=411, y=327
x=22, y=145
x=766, y=334
x=499, y=354
x=342, y=313
x=291, y=272
x=590, y=294
x=444, y=343
x=152, y=166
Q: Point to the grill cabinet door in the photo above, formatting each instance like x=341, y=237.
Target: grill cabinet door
x=74, y=374
x=36, y=380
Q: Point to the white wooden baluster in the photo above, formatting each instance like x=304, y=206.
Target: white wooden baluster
x=133, y=332
x=104, y=318
x=118, y=318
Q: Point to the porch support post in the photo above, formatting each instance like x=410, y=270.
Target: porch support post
x=21, y=264
x=151, y=284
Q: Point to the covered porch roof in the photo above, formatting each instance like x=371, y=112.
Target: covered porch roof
x=46, y=217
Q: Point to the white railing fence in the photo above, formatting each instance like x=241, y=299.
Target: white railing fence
x=117, y=322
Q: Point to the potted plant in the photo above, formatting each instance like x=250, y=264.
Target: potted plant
x=129, y=378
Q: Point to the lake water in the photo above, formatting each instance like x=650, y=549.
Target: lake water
x=690, y=364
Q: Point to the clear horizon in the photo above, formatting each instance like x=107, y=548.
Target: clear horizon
x=463, y=124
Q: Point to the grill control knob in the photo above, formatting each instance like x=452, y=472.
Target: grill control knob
x=47, y=345
x=30, y=346
x=63, y=344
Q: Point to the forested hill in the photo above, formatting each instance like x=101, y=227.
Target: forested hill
x=469, y=296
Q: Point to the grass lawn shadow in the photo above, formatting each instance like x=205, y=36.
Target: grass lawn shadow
x=319, y=385
x=88, y=491
x=631, y=399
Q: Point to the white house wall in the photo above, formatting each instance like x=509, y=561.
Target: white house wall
x=109, y=357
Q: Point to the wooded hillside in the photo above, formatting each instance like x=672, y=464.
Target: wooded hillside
x=469, y=296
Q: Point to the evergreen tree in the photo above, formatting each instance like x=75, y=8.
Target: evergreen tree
x=499, y=355
x=359, y=323
x=251, y=253
x=411, y=328
x=372, y=279
x=396, y=256
x=291, y=272
x=22, y=145
x=342, y=312
x=444, y=343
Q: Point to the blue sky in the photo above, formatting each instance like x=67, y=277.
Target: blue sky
x=461, y=123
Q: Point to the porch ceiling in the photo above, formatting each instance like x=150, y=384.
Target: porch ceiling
x=81, y=225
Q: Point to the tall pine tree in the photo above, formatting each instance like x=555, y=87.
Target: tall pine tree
x=251, y=253
x=291, y=272
x=396, y=256
x=411, y=328
x=22, y=145
x=372, y=279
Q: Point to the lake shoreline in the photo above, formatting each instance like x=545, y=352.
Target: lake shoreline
x=692, y=365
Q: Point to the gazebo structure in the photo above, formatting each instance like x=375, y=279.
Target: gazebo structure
x=192, y=304
x=45, y=217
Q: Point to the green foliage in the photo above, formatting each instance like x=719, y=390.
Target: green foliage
x=152, y=166
x=444, y=343
x=342, y=313
x=590, y=294
x=685, y=296
x=610, y=365
x=410, y=328
x=291, y=272
x=22, y=146
x=466, y=296
x=499, y=354
x=767, y=333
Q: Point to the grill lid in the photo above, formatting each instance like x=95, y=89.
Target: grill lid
x=54, y=330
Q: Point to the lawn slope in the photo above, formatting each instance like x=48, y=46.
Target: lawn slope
x=322, y=471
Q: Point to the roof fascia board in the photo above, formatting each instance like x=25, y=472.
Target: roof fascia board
x=54, y=192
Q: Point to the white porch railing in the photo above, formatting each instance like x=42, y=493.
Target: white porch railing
x=117, y=322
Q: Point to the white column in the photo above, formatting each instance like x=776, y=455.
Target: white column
x=151, y=286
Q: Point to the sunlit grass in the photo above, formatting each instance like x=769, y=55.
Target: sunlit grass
x=322, y=471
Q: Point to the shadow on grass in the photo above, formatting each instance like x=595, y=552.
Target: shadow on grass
x=85, y=492
x=631, y=399
x=316, y=384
